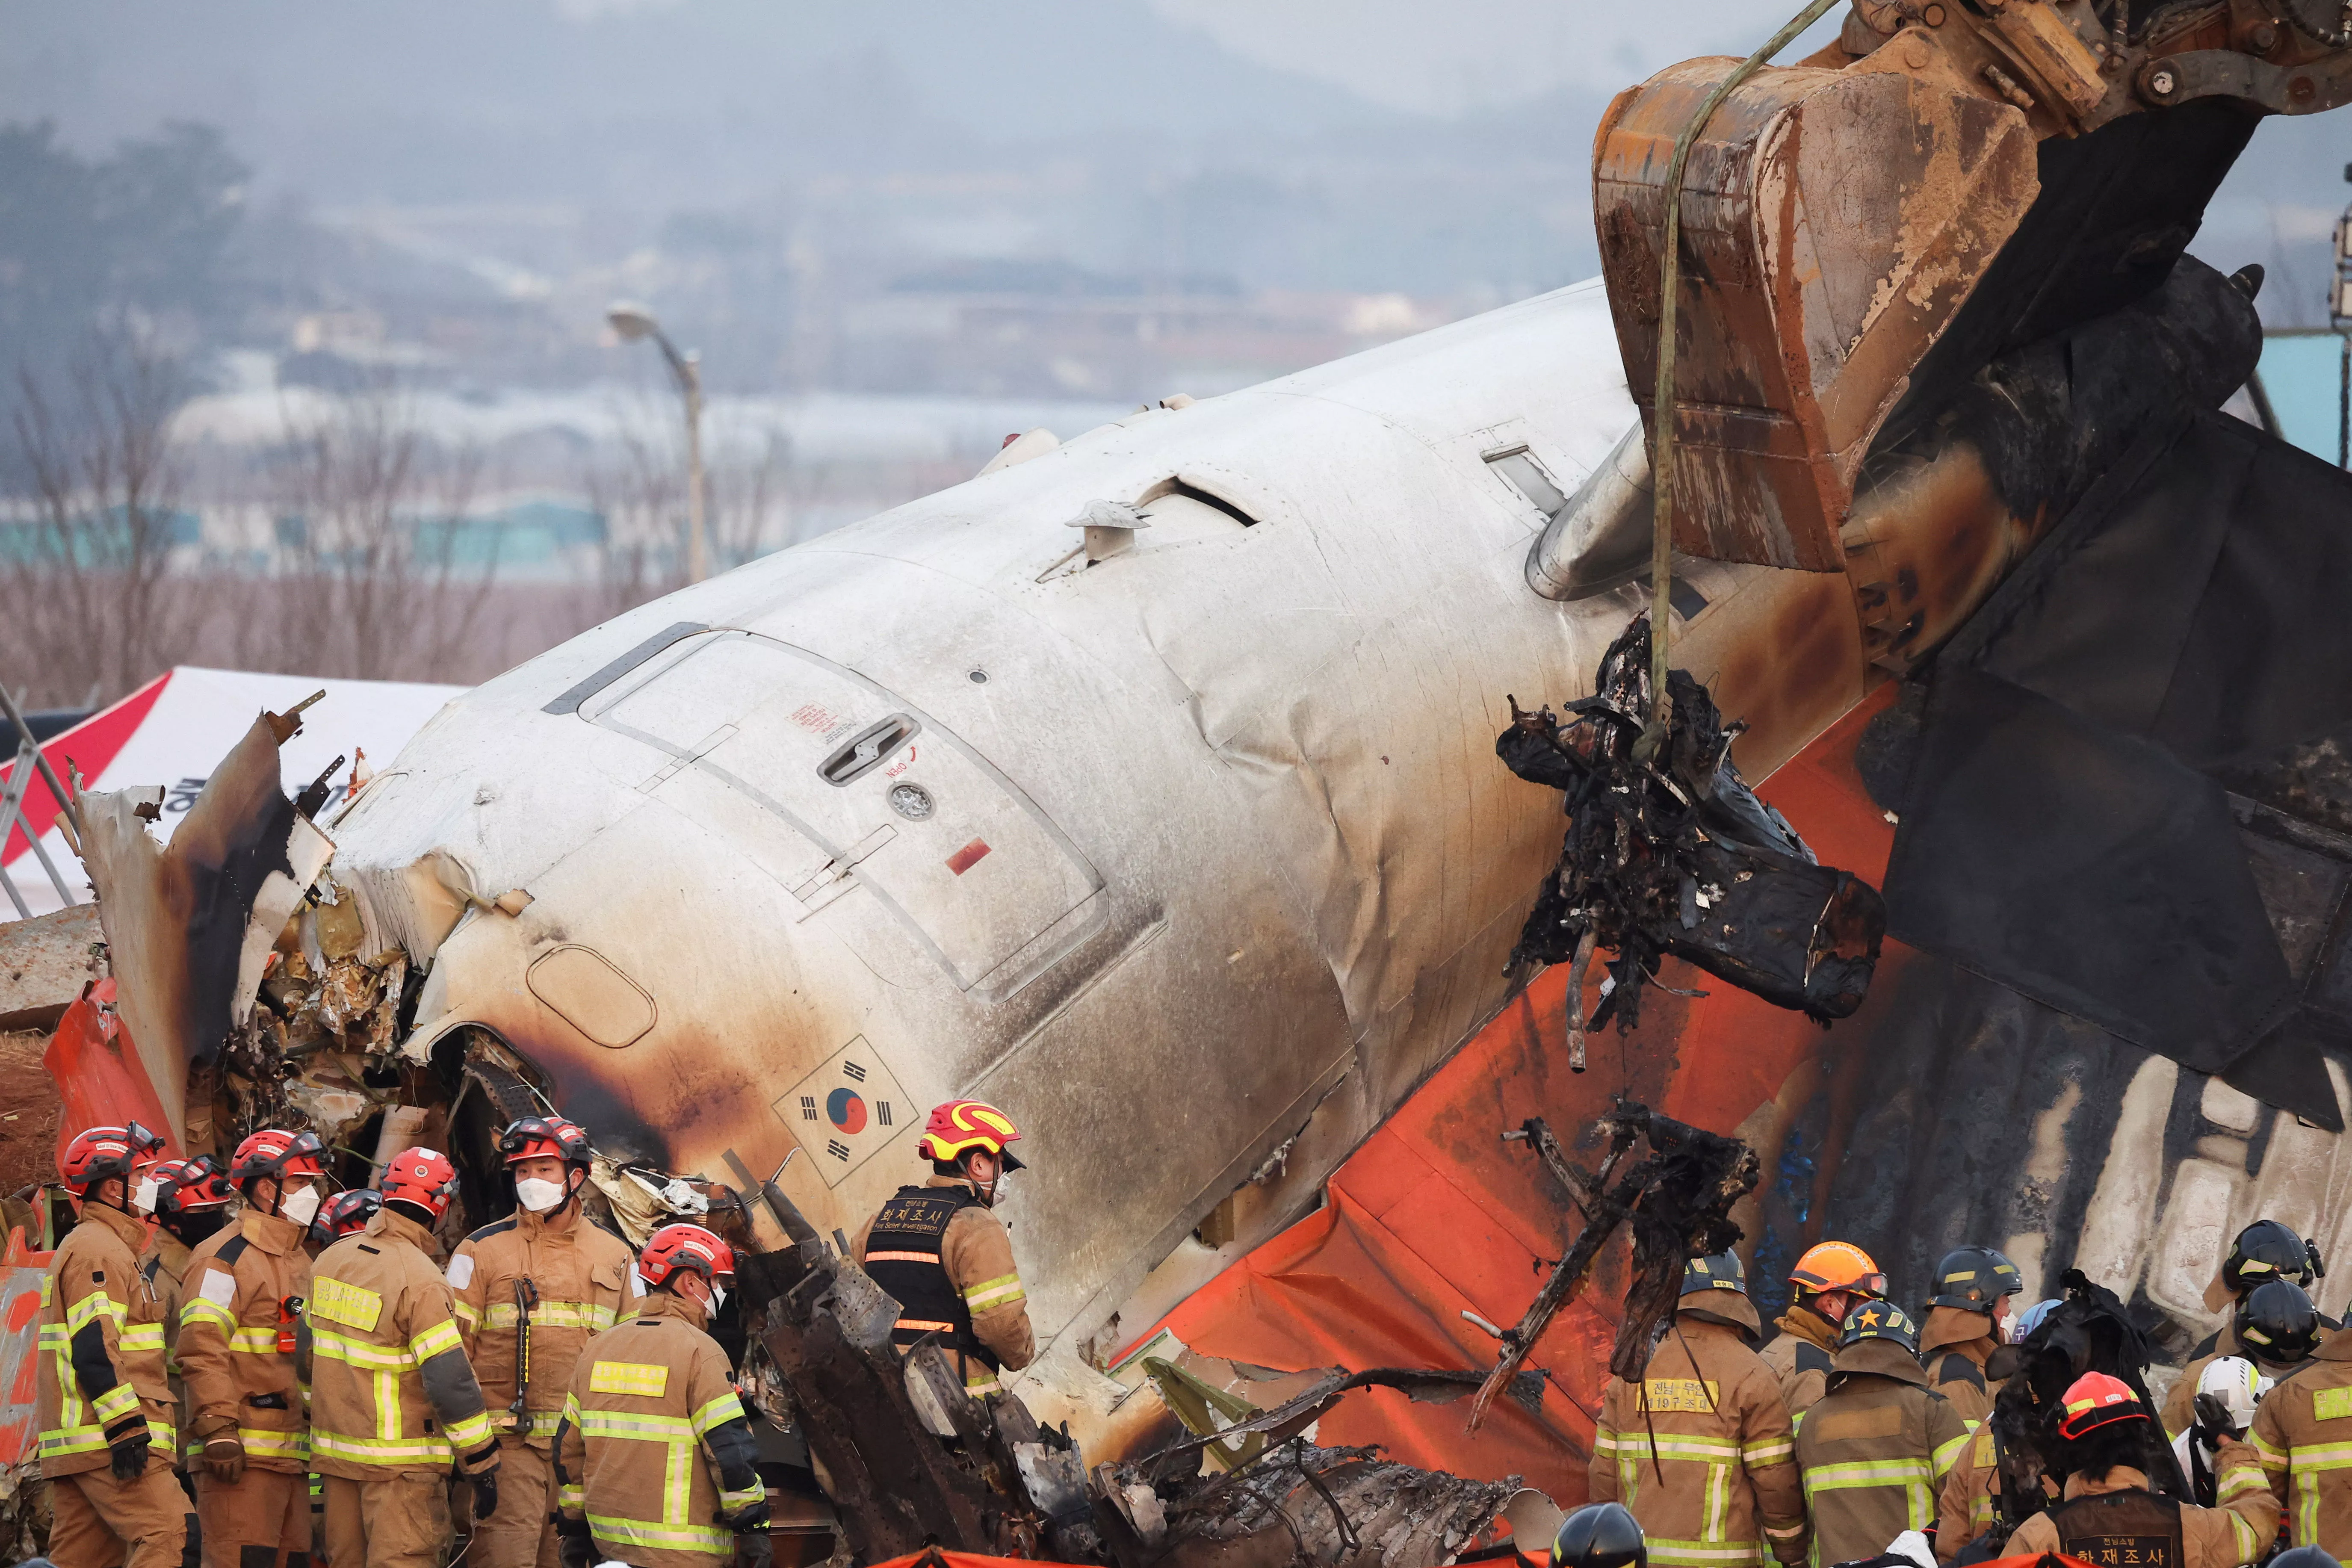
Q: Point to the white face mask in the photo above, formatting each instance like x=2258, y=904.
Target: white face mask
x=301, y=1205
x=718, y=1297
x=143, y=1197
x=539, y=1195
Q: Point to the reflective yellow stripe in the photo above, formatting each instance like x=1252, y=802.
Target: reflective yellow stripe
x=1705, y=1554
x=724, y=1408
x=114, y=1404
x=470, y=1432
x=570, y=1499
x=554, y=1315
x=433, y=1450
x=1676, y=1447
x=469, y=1314
x=197, y=1309
x=1001, y=1291
x=1944, y=1457
x=632, y=1425
x=644, y=1532
x=1770, y=1453
x=261, y=1443
x=330, y=1346
x=141, y=1337
x=91, y=1307
x=438, y=1339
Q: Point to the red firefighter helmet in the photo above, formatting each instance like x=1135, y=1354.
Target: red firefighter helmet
x=98, y=1152
x=345, y=1213
x=420, y=1176
x=2094, y=1400
x=962, y=1125
x=189, y=1186
x=687, y=1246
x=279, y=1155
x=545, y=1137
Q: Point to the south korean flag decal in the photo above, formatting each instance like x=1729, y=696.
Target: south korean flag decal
x=843, y=1113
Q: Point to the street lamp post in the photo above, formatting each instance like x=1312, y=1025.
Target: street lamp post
x=631, y=322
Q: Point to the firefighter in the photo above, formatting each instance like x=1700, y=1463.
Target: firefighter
x=103, y=1410
x=1599, y=1535
x=946, y=1260
x=2303, y=1436
x=1968, y=1318
x=2108, y=1514
x=577, y=1281
x=191, y=1199
x=345, y=1213
x=239, y=1318
x=1876, y=1448
x=2229, y=1392
x=1831, y=1280
x=392, y=1401
x=1701, y=1450
x=655, y=1464
x=2264, y=1251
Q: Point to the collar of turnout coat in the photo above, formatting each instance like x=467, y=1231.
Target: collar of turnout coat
x=660, y=1303
x=1730, y=1308
x=1879, y=1358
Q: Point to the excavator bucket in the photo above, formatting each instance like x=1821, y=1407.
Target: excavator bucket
x=1833, y=223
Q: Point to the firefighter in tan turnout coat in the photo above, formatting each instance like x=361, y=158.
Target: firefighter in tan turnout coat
x=102, y=1409
x=392, y=1401
x=1718, y=1488
x=655, y=1464
x=1877, y=1449
x=574, y=1281
x=239, y=1335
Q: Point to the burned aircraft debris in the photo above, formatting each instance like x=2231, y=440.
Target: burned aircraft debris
x=911, y=1460
x=1677, y=1199
x=1678, y=855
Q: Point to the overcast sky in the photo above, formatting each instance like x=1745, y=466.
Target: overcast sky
x=1444, y=59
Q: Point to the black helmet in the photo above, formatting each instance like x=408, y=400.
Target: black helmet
x=1880, y=1321
x=2269, y=1250
x=2278, y=1323
x=1599, y=1535
x=1716, y=1271
x=1973, y=1277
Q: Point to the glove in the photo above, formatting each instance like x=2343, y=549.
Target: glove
x=574, y=1545
x=127, y=1455
x=753, y=1549
x=486, y=1493
x=224, y=1461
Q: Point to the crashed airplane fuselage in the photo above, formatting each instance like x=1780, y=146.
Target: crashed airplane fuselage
x=1185, y=842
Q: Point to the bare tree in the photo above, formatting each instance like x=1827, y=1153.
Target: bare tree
x=88, y=607
x=639, y=488
x=383, y=572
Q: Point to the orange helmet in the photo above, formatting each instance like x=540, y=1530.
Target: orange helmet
x=1838, y=1266
x=962, y=1125
x=98, y=1152
x=687, y=1247
x=420, y=1176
